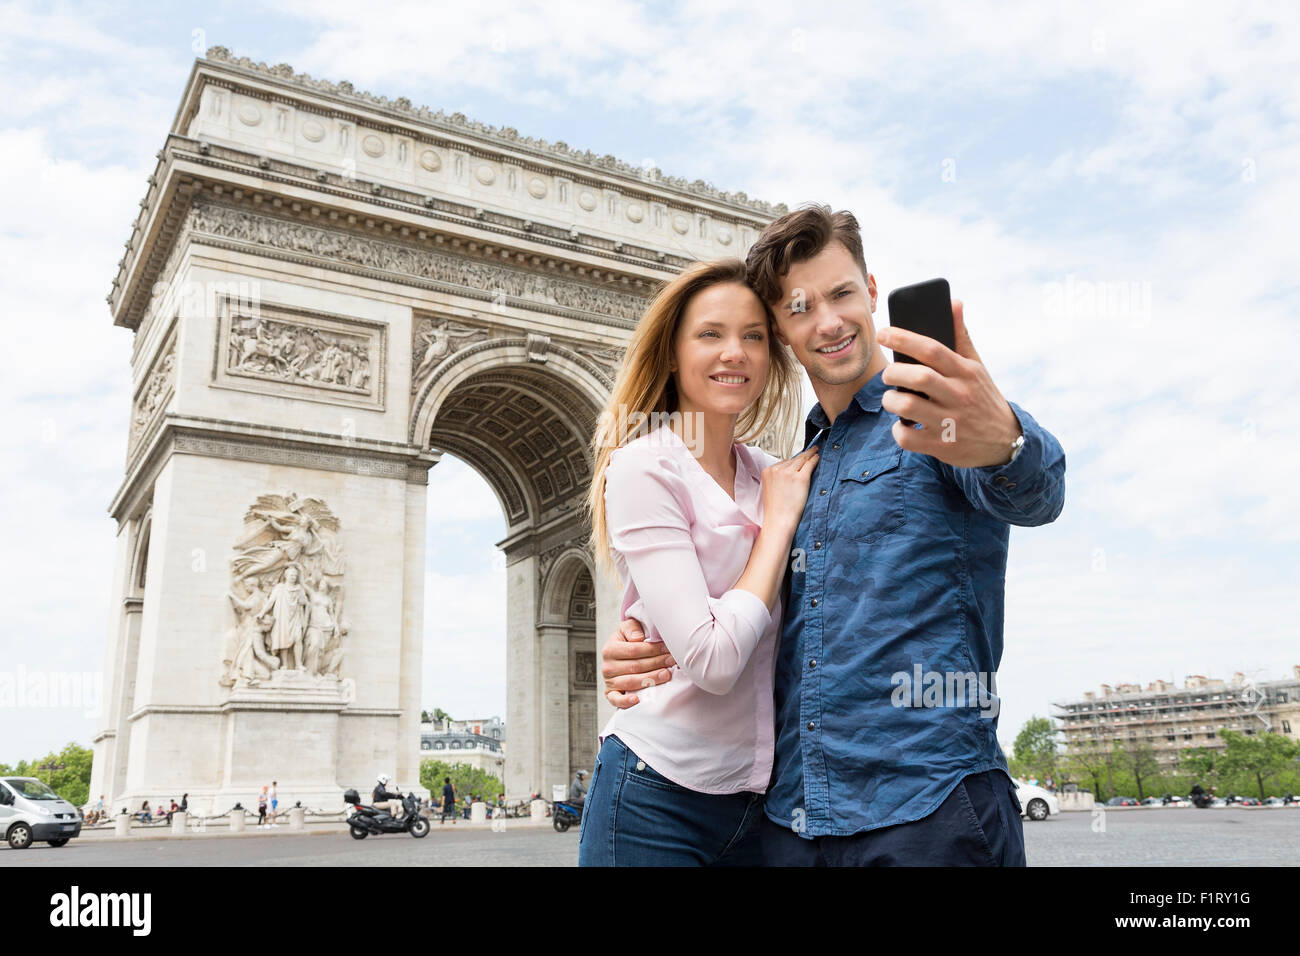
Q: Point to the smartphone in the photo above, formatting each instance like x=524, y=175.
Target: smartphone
x=926, y=309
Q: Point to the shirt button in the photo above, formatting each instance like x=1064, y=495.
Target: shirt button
x=867, y=472
x=814, y=602
x=1000, y=480
x=812, y=664
x=1010, y=485
x=836, y=446
x=640, y=765
x=817, y=545
x=811, y=725
x=822, y=492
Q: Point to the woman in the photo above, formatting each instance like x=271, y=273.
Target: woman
x=699, y=528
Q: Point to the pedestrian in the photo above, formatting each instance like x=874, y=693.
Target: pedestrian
x=448, y=802
x=262, y=802
x=275, y=802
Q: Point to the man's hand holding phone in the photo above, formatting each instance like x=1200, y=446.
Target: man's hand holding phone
x=630, y=663
x=966, y=421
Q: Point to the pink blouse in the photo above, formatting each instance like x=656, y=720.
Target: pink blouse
x=680, y=544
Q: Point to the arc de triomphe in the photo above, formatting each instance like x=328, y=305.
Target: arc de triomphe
x=328, y=290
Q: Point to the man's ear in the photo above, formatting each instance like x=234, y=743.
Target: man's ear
x=871, y=290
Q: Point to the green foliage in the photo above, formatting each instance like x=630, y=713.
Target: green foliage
x=466, y=779
x=1256, y=758
x=72, y=783
x=1034, y=751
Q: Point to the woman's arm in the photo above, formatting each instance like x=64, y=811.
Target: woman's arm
x=648, y=512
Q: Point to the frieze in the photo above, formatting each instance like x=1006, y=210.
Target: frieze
x=501, y=282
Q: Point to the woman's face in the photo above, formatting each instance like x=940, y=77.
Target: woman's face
x=720, y=352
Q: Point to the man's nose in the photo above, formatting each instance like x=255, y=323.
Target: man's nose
x=826, y=321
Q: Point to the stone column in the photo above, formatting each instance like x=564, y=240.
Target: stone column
x=411, y=673
x=553, y=700
x=523, y=684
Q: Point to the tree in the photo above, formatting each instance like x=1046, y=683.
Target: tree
x=1138, y=759
x=466, y=779
x=1034, y=750
x=1256, y=755
x=72, y=783
x=1089, y=762
x=1201, y=763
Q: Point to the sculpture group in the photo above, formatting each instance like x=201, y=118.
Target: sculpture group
x=287, y=594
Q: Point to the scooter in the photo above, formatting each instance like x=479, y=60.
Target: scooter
x=365, y=820
x=565, y=815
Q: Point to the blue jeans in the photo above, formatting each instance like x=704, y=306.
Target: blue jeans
x=637, y=817
x=978, y=824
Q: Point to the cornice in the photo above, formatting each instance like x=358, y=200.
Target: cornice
x=458, y=124
x=293, y=447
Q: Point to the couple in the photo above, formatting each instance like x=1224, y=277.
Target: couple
x=805, y=665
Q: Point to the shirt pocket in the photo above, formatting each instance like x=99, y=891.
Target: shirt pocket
x=870, y=501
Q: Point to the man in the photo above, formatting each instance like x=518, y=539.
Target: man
x=384, y=799
x=578, y=790
x=448, y=802
x=886, y=712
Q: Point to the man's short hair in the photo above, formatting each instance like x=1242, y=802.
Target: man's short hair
x=797, y=237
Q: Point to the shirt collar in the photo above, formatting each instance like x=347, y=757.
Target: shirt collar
x=867, y=398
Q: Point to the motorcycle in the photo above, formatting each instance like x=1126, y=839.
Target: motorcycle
x=565, y=815
x=365, y=820
x=1201, y=799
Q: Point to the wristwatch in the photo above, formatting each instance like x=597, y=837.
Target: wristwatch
x=1016, y=447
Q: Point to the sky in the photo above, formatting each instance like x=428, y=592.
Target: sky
x=1111, y=190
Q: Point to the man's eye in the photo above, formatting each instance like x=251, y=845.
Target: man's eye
x=843, y=292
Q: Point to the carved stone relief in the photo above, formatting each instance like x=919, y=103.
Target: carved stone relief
x=287, y=594
x=285, y=351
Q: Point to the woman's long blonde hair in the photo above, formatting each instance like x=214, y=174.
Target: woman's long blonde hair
x=644, y=385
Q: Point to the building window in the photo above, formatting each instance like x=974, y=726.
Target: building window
x=424, y=745
x=1281, y=697
x=1286, y=726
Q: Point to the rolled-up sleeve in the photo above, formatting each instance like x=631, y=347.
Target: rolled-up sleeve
x=649, y=513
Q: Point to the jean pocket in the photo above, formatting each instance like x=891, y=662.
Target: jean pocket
x=589, y=804
x=638, y=771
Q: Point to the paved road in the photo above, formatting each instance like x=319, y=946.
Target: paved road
x=1141, y=837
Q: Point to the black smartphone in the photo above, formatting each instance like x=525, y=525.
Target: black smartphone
x=926, y=309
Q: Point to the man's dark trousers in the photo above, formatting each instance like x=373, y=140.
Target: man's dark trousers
x=978, y=824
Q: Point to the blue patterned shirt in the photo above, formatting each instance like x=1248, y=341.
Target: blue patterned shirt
x=885, y=695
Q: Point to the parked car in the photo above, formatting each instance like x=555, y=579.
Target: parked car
x=30, y=811
x=1152, y=802
x=1035, y=802
x=1122, y=802
x=1275, y=802
x=1172, y=801
x=1247, y=801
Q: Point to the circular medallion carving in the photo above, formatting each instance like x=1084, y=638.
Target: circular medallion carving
x=680, y=224
x=313, y=131
x=724, y=236
x=249, y=114
x=430, y=161
x=537, y=189
x=587, y=201
x=485, y=174
x=373, y=146
x=635, y=212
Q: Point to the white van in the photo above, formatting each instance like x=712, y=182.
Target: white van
x=29, y=811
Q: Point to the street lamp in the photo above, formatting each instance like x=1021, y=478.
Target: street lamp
x=51, y=766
